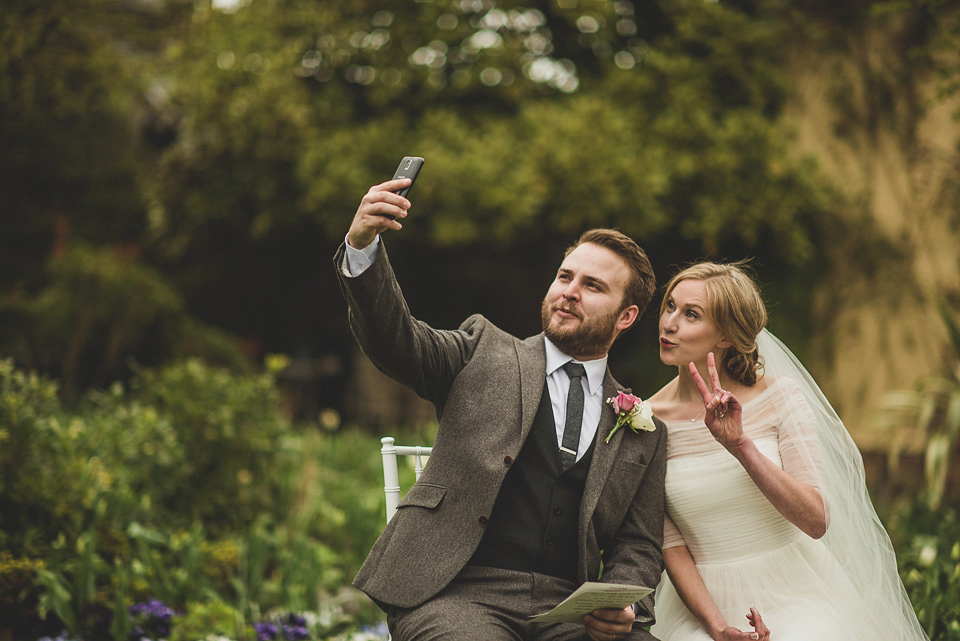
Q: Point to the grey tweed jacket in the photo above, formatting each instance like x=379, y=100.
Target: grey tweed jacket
x=486, y=386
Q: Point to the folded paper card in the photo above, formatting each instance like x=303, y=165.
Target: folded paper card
x=593, y=596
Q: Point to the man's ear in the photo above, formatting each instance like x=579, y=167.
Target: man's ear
x=627, y=316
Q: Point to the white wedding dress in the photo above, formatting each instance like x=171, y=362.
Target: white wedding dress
x=746, y=552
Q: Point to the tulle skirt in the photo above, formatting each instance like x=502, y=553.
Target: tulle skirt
x=799, y=590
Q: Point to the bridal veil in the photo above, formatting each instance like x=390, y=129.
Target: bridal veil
x=855, y=537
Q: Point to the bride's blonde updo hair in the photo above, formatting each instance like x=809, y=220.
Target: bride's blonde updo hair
x=735, y=305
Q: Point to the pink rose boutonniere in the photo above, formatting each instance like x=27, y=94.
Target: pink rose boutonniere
x=632, y=412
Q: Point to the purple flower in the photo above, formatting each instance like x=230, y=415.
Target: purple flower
x=295, y=633
x=294, y=627
x=152, y=609
x=288, y=627
x=266, y=631
x=293, y=618
x=151, y=620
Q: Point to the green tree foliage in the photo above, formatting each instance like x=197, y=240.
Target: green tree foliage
x=99, y=312
x=532, y=116
x=75, y=135
x=70, y=152
x=933, y=37
x=537, y=120
x=232, y=140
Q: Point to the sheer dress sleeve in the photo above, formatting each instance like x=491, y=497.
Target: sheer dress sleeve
x=797, y=435
x=671, y=534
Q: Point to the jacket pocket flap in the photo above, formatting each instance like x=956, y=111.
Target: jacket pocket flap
x=424, y=495
x=627, y=467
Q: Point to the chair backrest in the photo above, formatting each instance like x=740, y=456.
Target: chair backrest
x=391, y=476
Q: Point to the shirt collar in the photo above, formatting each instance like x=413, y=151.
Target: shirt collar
x=596, y=369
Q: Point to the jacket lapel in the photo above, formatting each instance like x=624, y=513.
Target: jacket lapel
x=604, y=454
x=532, y=357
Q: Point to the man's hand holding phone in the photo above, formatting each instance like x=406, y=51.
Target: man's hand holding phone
x=383, y=204
x=380, y=210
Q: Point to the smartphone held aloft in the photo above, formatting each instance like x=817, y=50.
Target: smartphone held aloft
x=409, y=168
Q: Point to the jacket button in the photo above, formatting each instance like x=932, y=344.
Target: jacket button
x=549, y=540
x=508, y=460
x=556, y=509
x=484, y=521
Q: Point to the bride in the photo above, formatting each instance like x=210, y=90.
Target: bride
x=770, y=532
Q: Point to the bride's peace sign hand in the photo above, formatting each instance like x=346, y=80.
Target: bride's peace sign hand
x=723, y=410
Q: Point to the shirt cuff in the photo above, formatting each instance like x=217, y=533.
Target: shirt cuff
x=356, y=261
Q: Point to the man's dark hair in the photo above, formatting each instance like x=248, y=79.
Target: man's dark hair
x=642, y=281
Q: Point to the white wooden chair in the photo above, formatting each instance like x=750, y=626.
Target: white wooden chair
x=391, y=476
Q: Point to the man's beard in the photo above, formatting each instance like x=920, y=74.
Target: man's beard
x=589, y=338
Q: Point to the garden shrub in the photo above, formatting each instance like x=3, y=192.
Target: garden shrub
x=16, y=582
x=16, y=575
x=229, y=427
x=928, y=547
x=202, y=620
x=186, y=487
x=338, y=492
x=47, y=478
x=189, y=444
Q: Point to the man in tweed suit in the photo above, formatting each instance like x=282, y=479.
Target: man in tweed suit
x=523, y=498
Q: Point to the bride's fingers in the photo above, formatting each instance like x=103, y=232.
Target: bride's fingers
x=714, y=376
x=721, y=397
x=758, y=625
x=724, y=400
x=719, y=400
x=701, y=385
x=716, y=406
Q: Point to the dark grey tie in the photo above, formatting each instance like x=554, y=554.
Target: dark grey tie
x=571, y=427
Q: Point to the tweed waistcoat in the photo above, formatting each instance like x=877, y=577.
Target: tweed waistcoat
x=533, y=525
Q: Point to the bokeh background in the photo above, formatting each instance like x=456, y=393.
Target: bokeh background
x=188, y=432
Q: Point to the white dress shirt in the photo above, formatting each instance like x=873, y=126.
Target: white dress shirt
x=558, y=384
